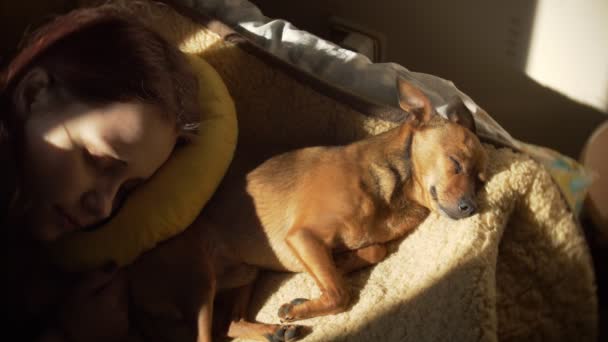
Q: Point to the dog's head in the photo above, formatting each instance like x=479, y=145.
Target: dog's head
x=448, y=160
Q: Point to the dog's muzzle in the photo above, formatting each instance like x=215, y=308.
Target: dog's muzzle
x=465, y=207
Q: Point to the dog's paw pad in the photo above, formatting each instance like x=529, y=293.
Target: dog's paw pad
x=296, y=332
x=272, y=338
x=284, y=312
x=288, y=333
x=285, y=309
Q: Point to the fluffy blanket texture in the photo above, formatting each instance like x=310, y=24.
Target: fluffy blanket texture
x=519, y=270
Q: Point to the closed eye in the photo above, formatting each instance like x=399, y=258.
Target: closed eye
x=104, y=164
x=457, y=166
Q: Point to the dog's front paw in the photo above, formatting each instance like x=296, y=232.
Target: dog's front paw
x=286, y=311
x=288, y=333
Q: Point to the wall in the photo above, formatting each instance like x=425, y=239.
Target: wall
x=569, y=49
x=481, y=45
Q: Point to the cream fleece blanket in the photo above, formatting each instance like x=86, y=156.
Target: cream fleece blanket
x=519, y=270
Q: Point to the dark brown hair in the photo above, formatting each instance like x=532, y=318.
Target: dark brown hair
x=101, y=57
x=109, y=58
x=119, y=61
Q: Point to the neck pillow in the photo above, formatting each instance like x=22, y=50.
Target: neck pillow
x=172, y=199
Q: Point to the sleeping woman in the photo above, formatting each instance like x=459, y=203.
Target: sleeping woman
x=91, y=107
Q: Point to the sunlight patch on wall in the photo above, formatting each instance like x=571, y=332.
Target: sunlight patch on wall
x=569, y=49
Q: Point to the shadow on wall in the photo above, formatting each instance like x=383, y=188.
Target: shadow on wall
x=529, y=111
x=573, y=58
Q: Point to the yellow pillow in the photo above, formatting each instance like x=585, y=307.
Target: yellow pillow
x=171, y=200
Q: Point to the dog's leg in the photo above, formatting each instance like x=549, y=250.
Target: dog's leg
x=241, y=302
x=350, y=261
x=317, y=259
x=205, y=289
x=240, y=328
x=205, y=315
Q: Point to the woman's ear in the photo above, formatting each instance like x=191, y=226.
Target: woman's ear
x=32, y=92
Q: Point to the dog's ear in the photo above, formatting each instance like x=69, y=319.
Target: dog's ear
x=458, y=113
x=413, y=101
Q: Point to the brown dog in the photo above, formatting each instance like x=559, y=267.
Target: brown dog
x=322, y=210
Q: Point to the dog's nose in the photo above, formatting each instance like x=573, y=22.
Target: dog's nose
x=466, y=206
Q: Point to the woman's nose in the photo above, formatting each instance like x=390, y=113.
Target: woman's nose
x=99, y=202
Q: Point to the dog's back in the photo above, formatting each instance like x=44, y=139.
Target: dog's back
x=258, y=207
x=336, y=190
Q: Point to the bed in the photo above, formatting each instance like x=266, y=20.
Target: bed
x=519, y=270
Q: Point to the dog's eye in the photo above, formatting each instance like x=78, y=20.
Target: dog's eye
x=433, y=192
x=457, y=166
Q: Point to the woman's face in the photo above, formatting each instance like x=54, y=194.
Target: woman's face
x=80, y=161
